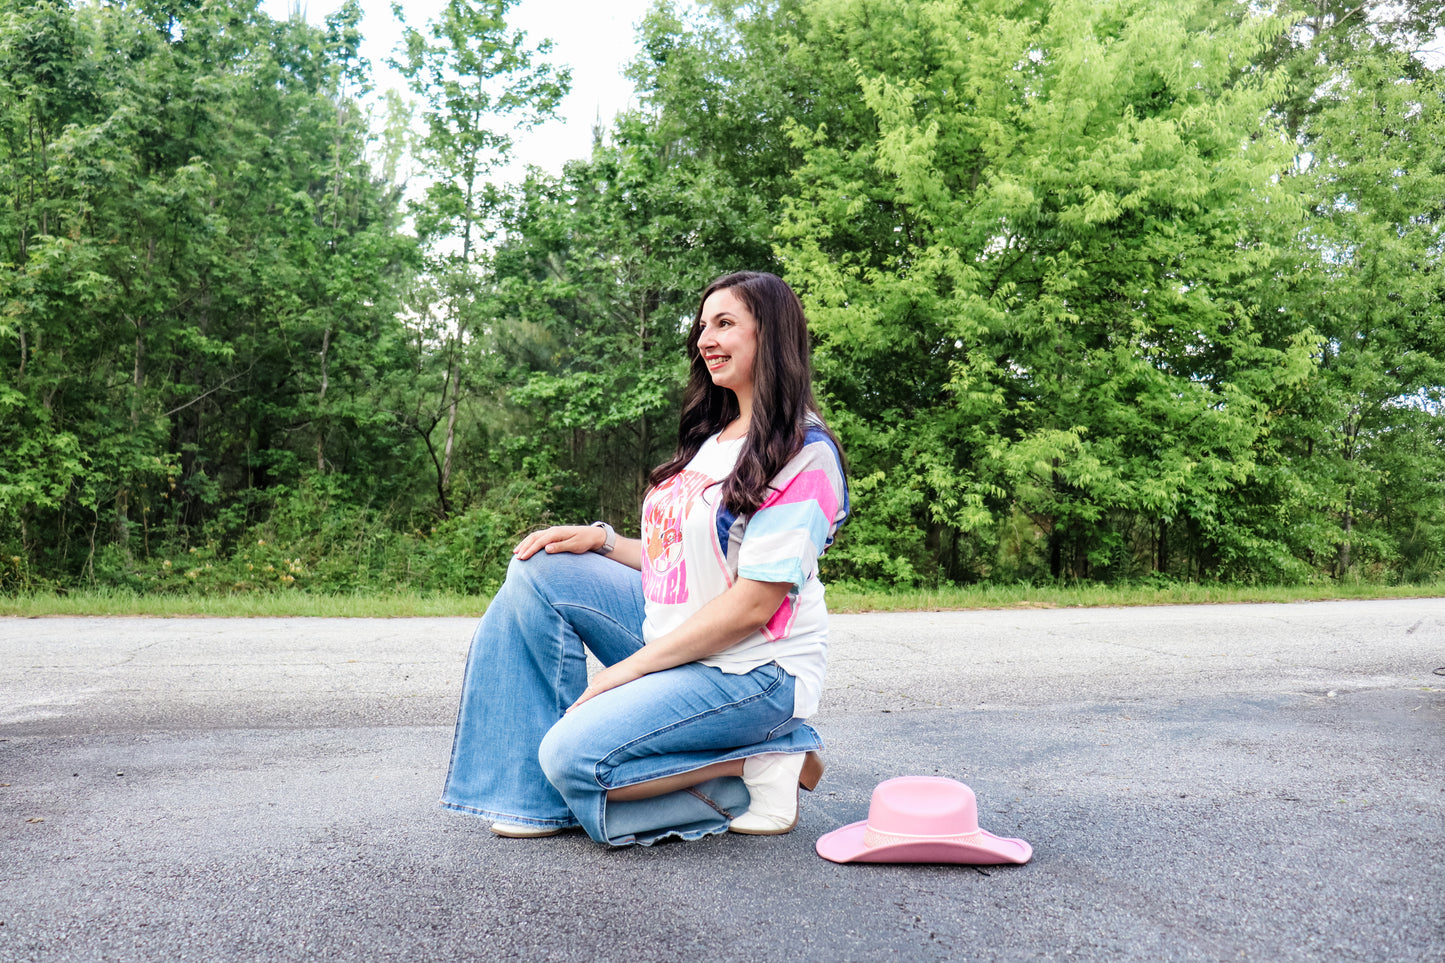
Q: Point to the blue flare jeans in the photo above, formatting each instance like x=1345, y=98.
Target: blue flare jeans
x=518, y=756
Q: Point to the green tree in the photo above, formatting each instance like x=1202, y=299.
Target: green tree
x=1363, y=437
x=594, y=291
x=601, y=267
x=1036, y=278
x=473, y=75
x=196, y=273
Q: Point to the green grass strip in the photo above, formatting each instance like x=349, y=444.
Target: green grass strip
x=841, y=599
x=851, y=599
x=378, y=605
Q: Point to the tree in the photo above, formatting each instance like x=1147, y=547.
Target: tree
x=471, y=72
x=197, y=264
x=594, y=291
x=1035, y=280
x=1363, y=436
x=598, y=275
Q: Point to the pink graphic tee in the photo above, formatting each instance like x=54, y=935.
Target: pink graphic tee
x=664, y=568
x=694, y=548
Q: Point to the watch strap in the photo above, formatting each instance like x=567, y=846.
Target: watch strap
x=611, y=541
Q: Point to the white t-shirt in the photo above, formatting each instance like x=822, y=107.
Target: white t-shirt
x=694, y=548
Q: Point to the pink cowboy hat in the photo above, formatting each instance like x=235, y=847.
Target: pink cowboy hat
x=921, y=819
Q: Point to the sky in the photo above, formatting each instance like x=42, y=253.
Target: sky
x=594, y=37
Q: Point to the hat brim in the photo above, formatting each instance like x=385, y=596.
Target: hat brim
x=846, y=846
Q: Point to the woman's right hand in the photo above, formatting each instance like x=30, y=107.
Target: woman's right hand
x=577, y=539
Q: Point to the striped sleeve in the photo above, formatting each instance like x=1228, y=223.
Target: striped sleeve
x=797, y=521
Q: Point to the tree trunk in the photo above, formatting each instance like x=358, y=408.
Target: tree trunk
x=320, y=399
x=1056, y=537
x=1348, y=525
x=450, y=445
x=644, y=436
x=122, y=496
x=452, y=386
x=644, y=447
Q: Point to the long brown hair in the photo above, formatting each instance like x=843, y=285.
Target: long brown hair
x=782, y=392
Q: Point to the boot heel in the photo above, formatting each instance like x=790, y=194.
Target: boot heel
x=812, y=771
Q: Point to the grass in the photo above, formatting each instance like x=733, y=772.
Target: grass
x=846, y=598
x=381, y=605
x=841, y=599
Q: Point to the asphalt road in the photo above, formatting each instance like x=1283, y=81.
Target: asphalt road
x=1199, y=783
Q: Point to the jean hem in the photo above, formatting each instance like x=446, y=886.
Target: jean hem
x=683, y=834
x=743, y=752
x=496, y=816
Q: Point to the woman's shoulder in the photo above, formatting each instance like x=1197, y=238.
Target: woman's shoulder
x=818, y=442
x=815, y=432
x=818, y=453
x=814, y=475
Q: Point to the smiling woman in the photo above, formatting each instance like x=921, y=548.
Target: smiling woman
x=727, y=339
x=711, y=625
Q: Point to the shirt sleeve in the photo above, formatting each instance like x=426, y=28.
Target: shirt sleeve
x=797, y=521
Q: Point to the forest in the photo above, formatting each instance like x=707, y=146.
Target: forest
x=1101, y=290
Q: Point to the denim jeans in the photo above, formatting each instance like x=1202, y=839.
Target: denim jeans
x=517, y=757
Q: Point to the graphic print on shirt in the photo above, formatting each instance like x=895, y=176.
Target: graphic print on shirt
x=664, y=572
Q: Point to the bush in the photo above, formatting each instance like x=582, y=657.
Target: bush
x=316, y=539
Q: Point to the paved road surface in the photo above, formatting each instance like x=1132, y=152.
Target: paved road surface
x=1199, y=783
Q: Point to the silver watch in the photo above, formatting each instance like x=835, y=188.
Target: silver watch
x=610, y=543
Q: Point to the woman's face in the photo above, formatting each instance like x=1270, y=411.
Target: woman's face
x=728, y=341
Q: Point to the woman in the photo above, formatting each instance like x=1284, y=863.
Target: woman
x=711, y=626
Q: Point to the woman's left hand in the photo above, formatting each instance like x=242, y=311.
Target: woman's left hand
x=609, y=678
x=577, y=539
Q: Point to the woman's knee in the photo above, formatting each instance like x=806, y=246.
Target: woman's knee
x=527, y=585
x=568, y=755
x=521, y=576
x=543, y=575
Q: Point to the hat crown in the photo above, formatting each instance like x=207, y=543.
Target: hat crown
x=923, y=806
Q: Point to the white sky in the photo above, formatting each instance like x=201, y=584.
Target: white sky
x=596, y=38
